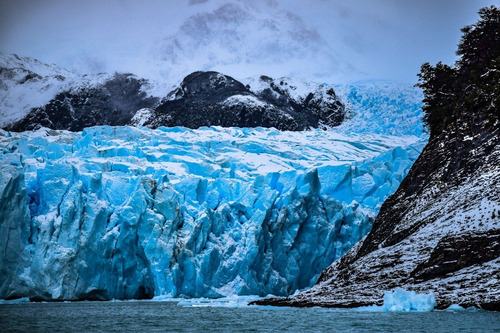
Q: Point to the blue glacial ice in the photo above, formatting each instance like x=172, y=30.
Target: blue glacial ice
x=123, y=212
x=401, y=300
x=382, y=107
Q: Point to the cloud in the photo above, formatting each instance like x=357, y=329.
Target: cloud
x=247, y=42
x=325, y=39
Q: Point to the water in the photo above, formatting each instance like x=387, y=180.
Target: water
x=154, y=316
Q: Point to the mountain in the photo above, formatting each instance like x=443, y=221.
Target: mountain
x=202, y=99
x=35, y=95
x=113, y=102
x=245, y=38
x=214, y=99
x=26, y=83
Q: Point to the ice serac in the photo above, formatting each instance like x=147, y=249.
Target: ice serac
x=124, y=212
x=382, y=107
x=14, y=218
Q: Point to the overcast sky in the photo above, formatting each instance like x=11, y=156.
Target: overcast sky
x=328, y=40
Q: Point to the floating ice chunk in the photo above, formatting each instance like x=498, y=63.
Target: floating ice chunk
x=230, y=302
x=455, y=307
x=400, y=300
x=15, y=301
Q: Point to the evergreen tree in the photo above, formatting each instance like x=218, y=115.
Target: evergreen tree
x=471, y=88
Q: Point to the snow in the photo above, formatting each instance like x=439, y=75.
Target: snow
x=206, y=213
x=26, y=83
x=240, y=39
x=244, y=99
x=141, y=117
x=295, y=88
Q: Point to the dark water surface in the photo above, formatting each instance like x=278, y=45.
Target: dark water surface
x=155, y=316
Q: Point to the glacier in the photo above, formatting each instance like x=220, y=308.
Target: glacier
x=125, y=212
x=382, y=107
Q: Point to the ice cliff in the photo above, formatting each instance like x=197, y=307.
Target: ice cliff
x=124, y=212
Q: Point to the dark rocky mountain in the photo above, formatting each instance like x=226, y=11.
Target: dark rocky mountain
x=440, y=231
x=113, y=102
x=214, y=99
x=58, y=99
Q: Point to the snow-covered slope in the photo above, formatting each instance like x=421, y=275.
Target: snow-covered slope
x=26, y=83
x=34, y=95
x=319, y=100
x=122, y=212
x=72, y=102
x=215, y=99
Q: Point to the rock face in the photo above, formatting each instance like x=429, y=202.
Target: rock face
x=439, y=232
x=214, y=99
x=35, y=95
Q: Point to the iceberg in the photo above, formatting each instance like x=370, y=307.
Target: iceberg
x=125, y=212
x=401, y=300
x=455, y=307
